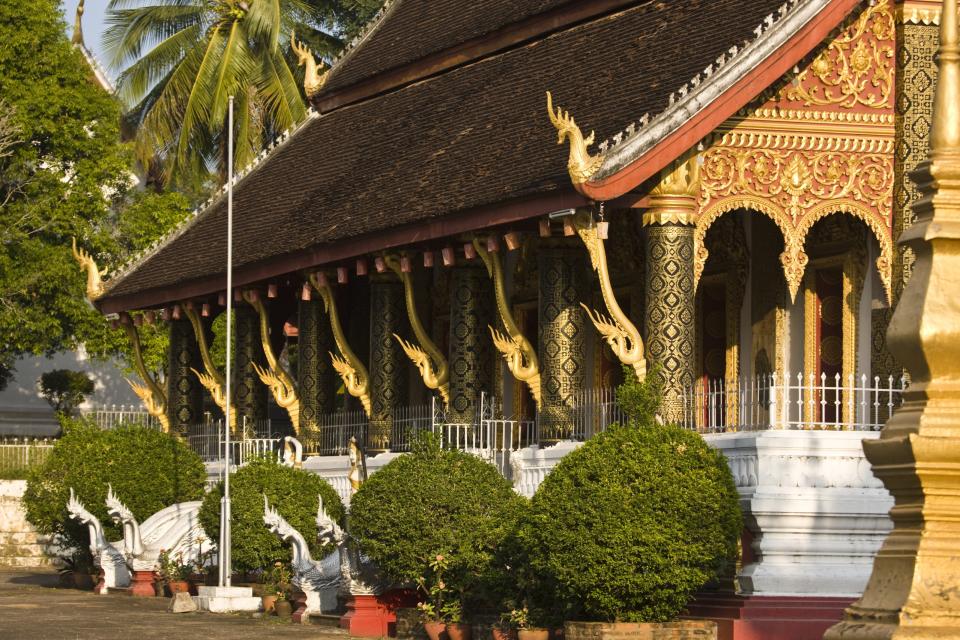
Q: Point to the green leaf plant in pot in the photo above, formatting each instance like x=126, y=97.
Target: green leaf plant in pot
x=441, y=611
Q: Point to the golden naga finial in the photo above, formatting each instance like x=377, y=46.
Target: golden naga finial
x=617, y=330
x=518, y=352
x=581, y=165
x=313, y=80
x=356, y=379
x=77, y=37
x=427, y=357
x=95, y=288
x=213, y=381
x=281, y=384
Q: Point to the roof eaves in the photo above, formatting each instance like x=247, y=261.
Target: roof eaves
x=700, y=91
x=368, y=30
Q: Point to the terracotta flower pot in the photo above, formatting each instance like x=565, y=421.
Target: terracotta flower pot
x=436, y=630
x=269, y=602
x=503, y=634
x=533, y=633
x=459, y=631
x=178, y=586
x=283, y=608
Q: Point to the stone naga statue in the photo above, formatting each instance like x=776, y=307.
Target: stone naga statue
x=106, y=555
x=317, y=579
x=175, y=529
x=292, y=453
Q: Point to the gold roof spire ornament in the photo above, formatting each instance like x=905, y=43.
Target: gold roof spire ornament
x=519, y=353
x=912, y=591
x=280, y=382
x=356, y=378
x=95, y=288
x=427, y=357
x=313, y=80
x=580, y=165
x=617, y=330
x=77, y=37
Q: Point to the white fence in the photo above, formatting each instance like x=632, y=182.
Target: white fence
x=17, y=455
x=790, y=401
x=111, y=416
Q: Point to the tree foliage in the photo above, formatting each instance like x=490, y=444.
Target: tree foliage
x=63, y=173
x=65, y=390
x=182, y=60
x=293, y=492
x=148, y=469
x=631, y=524
x=431, y=502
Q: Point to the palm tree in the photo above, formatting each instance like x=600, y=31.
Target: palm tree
x=182, y=59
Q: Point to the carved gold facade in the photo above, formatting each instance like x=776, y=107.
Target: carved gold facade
x=150, y=392
x=912, y=592
x=211, y=379
x=274, y=376
x=87, y=264
x=822, y=145
x=580, y=165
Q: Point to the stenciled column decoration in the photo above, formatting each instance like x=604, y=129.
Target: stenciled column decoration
x=425, y=355
x=316, y=378
x=249, y=396
x=356, y=378
x=471, y=359
x=518, y=352
x=563, y=285
x=913, y=592
x=150, y=392
x=274, y=376
x=388, y=370
x=617, y=329
x=184, y=391
x=670, y=304
x=212, y=380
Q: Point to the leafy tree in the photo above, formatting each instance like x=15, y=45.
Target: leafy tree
x=65, y=390
x=182, y=59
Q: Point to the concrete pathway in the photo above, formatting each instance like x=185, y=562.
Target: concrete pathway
x=32, y=608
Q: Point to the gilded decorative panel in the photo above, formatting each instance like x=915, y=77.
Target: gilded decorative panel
x=249, y=393
x=471, y=350
x=564, y=284
x=184, y=392
x=316, y=378
x=389, y=367
x=820, y=144
x=670, y=311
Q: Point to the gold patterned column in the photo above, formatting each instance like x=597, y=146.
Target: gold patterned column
x=249, y=395
x=316, y=379
x=389, y=385
x=184, y=392
x=913, y=591
x=670, y=304
x=471, y=355
x=564, y=284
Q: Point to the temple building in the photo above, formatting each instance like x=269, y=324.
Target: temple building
x=494, y=209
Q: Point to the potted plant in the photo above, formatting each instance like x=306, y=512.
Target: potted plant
x=442, y=614
x=279, y=577
x=509, y=623
x=174, y=572
x=526, y=630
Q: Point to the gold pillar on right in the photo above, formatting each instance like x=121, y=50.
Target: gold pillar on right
x=914, y=591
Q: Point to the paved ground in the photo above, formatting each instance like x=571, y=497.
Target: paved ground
x=32, y=608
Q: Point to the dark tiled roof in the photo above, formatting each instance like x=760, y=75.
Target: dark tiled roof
x=474, y=136
x=412, y=29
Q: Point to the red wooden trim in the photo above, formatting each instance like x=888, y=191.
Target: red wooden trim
x=469, y=51
x=342, y=250
x=726, y=105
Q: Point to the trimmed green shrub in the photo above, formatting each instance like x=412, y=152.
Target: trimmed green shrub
x=631, y=524
x=431, y=502
x=65, y=390
x=149, y=470
x=293, y=492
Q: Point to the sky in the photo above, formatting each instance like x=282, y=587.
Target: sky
x=93, y=26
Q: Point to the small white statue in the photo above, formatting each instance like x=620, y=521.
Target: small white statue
x=317, y=579
x=106, y=555
x=175, y=529
x=292, y=452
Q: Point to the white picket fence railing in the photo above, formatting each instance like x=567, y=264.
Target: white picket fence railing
x=18, y=454
x=792, y=401
x=111, y=416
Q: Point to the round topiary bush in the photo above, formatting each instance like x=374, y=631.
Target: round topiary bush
x=293, y=492
x=149, y=470
x=433, y=501
x=630, y=525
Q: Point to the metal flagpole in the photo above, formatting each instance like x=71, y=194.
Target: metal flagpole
x=225, y=537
